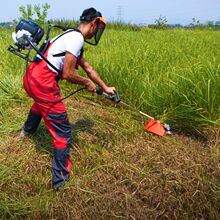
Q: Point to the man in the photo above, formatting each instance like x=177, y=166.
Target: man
x=41, y=83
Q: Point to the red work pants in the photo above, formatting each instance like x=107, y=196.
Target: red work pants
x=40, y=84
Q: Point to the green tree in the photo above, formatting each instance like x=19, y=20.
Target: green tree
x=27, y=13
x=38, y=13
x=195, y=23
x=210, y=23
x=217, y=23
x=161, y=22
x=41, y=13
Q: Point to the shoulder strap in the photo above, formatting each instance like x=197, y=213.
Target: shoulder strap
x=64, y=53
x=68, y=31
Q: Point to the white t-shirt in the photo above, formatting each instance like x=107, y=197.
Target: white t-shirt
x=71, y=42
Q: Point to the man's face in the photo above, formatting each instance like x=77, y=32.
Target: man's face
x=93, y=29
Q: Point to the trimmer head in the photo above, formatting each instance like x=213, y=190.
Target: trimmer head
x=155, y=127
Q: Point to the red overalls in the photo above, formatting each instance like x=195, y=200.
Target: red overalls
x=40, y=83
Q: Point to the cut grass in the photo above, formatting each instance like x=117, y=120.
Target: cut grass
x=119, y=171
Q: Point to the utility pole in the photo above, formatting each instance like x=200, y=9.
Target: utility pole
x=119, y=13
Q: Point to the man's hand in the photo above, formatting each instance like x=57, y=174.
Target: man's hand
x=90, y=86
x=93, y=75
x=110, y=90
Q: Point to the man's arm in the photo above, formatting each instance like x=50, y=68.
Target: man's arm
x=93, y=75
x=70, y=74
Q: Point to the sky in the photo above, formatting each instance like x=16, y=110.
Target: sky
x=138, y=11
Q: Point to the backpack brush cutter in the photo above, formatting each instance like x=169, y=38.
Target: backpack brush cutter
x=29, y=34
x=154, y=126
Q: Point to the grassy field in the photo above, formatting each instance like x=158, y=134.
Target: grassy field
x=120, y=171
x=171, y=74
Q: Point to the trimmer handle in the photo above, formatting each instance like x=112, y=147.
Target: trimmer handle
x=114, y=98
x=99, y=91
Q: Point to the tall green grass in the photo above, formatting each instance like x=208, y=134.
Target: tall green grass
x=172, y=75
